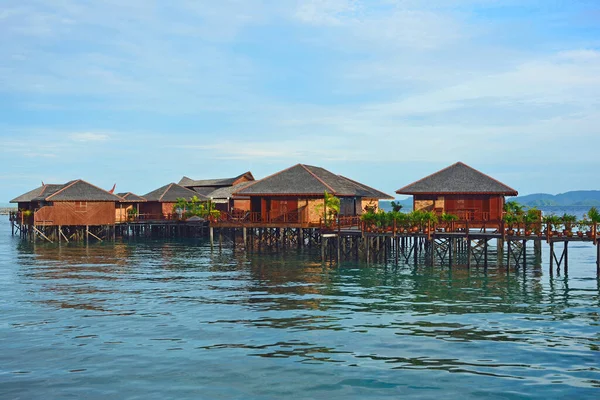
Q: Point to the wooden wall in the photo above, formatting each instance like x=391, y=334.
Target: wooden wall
x=76, y=213
x=491, y=204
x=241, y=204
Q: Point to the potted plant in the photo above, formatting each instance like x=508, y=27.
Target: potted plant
x=551, y=222
x=448, y=220
x=569, y=221
x=531, y=221
x=583, y=227
x=369, y=218
x=429, y=220
x=594, y=217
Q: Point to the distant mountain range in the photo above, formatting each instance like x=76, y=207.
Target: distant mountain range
x=575, y=198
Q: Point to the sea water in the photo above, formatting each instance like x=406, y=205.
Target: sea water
x=173, y=319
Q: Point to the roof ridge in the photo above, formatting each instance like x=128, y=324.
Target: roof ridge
x=267, y=177
x=66, y=186
x=317, y=178
x=429, y=176
x=165, y=192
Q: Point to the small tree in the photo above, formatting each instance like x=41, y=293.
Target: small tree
x=329, y=209
x=396, y=207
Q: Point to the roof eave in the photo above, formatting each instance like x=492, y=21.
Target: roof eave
x=412, y=193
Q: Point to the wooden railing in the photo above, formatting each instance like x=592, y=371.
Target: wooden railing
x=341, y=222
x=472, y=215
x=247, y=217
x=146, y=217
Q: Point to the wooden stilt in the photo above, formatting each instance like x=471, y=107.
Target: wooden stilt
x=566, y=255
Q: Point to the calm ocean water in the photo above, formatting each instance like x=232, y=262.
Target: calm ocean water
x=158, y=320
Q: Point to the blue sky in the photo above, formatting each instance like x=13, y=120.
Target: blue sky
x=140, y=93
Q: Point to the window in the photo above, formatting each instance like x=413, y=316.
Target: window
x=81, y=206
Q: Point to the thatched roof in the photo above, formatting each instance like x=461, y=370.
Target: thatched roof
x=32, y=194
x=80, y=190
x=227, y=192
x=130, y=198
x=458, y=178
x=77, y=190
x=213, y=183
x=305, y=180
x=368, y=192
x=170, y=193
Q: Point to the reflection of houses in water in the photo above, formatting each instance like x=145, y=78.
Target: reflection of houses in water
x=74, y=276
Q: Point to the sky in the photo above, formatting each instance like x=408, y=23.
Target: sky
x=140, y=93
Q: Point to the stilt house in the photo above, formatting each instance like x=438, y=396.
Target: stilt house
x=206, y=186
x=129, y=206
x=159, y=203
x=296, y=195
x=460, y=190
x=225, y=200
x=75, y=203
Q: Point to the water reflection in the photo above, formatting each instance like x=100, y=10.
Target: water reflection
x=155, y=300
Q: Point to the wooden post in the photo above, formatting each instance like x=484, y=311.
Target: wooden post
x=87, y=237
x=508, y=252
x=524, y=254
x=499, y=251
x=551, y=257
x=566, y=257
x=597, y=259
x=485, y=253
x=339, y=258
x=212, y=236
x=468, y=251
x=245, y=235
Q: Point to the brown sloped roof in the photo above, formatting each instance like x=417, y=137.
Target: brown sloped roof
x=80, y=190
x=171, y=192
x=32, y=194
x=130, y=198
x=369, y=192
x=76, y=190
x=304, y=180
x=228, y=191
x=188, y=182
x=456, y=179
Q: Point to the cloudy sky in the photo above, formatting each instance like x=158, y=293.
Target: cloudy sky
x=139, y=92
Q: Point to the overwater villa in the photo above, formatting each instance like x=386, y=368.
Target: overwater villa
x=206, y=186
x=75, y=203
x=460, y=190
x=129, y=206
x=159, y=203
x=294, y=197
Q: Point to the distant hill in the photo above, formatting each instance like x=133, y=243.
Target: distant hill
x=574, y=198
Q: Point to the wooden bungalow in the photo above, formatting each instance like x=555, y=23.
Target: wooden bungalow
x=159, y=203
x=206, y=186
x=129, y=206
x=225, y=199
x=460, y=190
x=75, y=203
x=295, y=196
x=31, y=200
